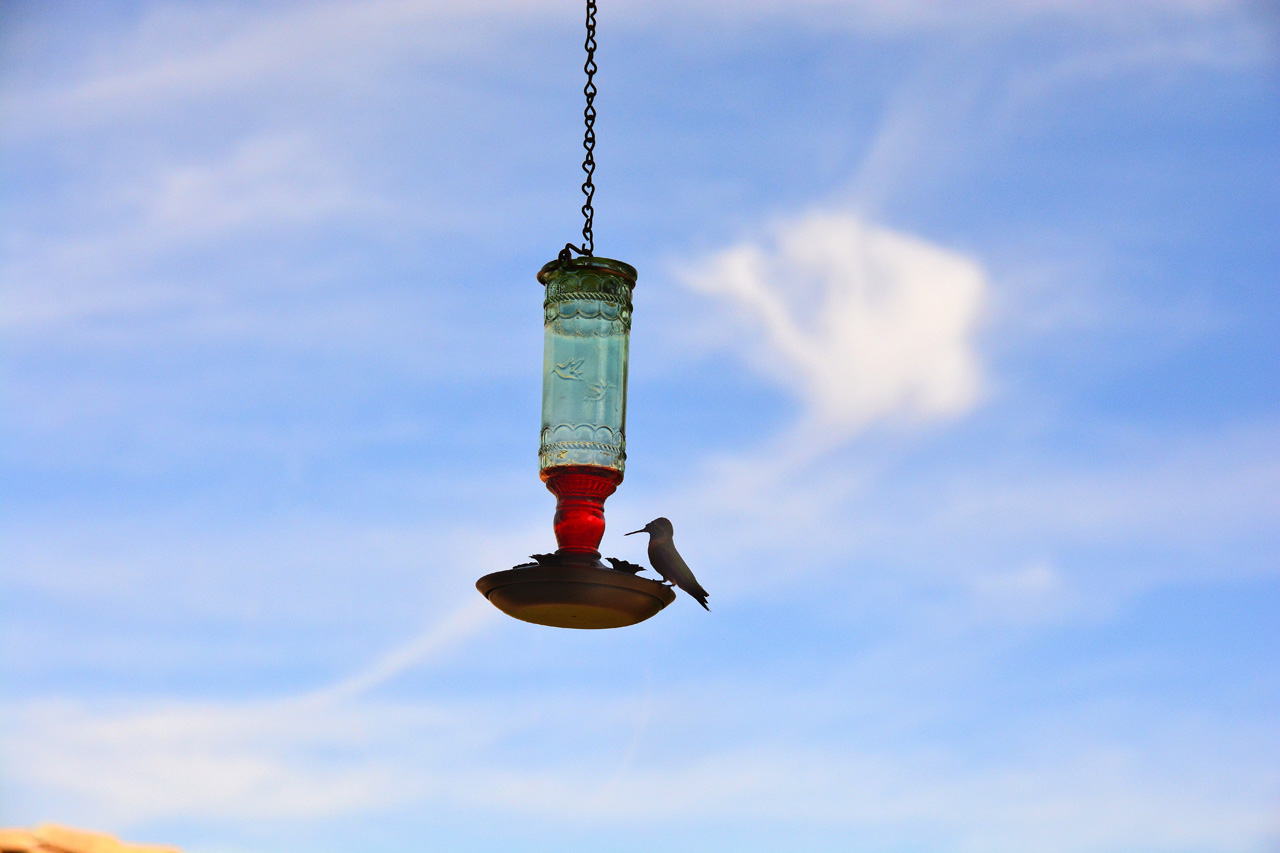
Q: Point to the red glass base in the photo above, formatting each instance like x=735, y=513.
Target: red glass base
x=580, y=491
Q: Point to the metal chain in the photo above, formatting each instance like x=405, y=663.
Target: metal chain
x=589, y=137
x=588, y=247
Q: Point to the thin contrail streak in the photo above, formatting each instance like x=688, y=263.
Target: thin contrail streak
x=461, y=624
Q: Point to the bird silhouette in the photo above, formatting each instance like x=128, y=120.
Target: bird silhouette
x=667, y=560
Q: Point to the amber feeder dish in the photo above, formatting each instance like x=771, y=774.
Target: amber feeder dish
x=570, y=596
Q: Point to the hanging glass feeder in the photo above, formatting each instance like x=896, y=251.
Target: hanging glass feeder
x=582, y=449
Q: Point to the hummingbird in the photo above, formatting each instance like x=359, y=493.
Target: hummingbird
x=667, y=560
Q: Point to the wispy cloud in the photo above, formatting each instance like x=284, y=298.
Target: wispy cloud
x=189, y=54
x=251, y=759
x=267, y=184
x=185, y=55
x=1065, y=784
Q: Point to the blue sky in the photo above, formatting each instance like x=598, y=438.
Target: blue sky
x=954, y=364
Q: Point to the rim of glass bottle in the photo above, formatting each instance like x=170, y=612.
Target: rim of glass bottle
x=604, y=265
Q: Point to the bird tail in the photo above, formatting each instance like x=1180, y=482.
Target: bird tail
x=700, y=595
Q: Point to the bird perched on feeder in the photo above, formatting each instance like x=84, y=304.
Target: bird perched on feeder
x=667, y=560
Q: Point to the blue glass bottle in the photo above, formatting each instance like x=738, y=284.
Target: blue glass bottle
x=587, y=331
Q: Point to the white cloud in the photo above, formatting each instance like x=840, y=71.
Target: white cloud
x=182, y=759
x=1187, y=493
x=247, y=759
x=860, y=322
x=177, y=54
x=911, y=16
x=1030, y=594
x=1077, y=790
x=266, y=184
x=264, y=181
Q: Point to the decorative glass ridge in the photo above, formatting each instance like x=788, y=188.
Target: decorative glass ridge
x=587, y=325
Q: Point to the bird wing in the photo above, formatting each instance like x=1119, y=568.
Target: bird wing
x=676, y=570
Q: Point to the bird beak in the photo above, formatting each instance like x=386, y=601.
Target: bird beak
x=634, y=532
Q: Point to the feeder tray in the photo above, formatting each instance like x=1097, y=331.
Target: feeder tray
x=575, y=596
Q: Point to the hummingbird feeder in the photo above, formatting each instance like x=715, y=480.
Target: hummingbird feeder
x=582, y=449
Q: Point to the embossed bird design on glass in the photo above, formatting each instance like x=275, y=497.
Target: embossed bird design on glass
x=571, y=369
